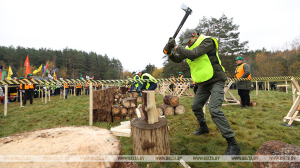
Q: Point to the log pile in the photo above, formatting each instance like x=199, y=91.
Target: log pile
x=171, y=106
x=120, y=95
x=126, y=110
x=102, y=103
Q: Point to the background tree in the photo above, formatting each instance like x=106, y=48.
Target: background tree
x=158, y=73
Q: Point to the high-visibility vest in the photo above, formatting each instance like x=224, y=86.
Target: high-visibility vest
x=172, y=78
x=138, y=83
x=21, y=86
x=29, y=86
x=67, y=86
x=239, y=71
x=78, y=86
x=87, y=84
x=150, y=77
x=201, y=67
x=180, y=77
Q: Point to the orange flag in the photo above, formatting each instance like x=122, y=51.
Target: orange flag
x=27, y=64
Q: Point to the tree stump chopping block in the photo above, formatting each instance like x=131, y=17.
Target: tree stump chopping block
x=150, y=139
x=277, y=148
x=171, y=100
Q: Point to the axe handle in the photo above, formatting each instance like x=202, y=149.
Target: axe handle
x=188, y=12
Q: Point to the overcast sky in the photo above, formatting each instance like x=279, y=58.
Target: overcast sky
x=135, y=31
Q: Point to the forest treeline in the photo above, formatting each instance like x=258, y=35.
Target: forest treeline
x=69, y=62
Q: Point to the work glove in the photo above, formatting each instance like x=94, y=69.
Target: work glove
x=170, y=45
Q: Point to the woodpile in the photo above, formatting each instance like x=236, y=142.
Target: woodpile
x=120, y=95
x=126, y=110
x=171, y=106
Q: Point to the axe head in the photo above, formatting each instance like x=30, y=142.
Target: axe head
x=186, y=9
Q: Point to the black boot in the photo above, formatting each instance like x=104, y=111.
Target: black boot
x=202, y=130
x=233, y=148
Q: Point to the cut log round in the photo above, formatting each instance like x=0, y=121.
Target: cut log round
x=118, y=117
x=171, y=100
x=120, y=100
x=129, y=94
x=123, y=110
x=135, y=94
x=117, y=96
x=116, y=109
x=125, y=103
x=150, y=139
x=180, y=109
x=277, y=148
x=139, y=99
x=160, y=112
x=167, y=109
x=62, y=141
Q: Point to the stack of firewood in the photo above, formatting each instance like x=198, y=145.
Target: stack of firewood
x=122, y=93
x=171, y=106
x=125, y=110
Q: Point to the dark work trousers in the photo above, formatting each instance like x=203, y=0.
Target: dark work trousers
x=78, y=91
x=171, y=86
x=216, y=91
x=195, y=88
x=273, y=86
x=28, y=95
x=153, y=86
x=245, y=97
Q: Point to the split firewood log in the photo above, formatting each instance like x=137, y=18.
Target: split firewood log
x=167, y=109
x=180, y=109
x=171, y=100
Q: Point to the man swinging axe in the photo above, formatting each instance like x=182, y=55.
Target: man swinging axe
x=201, y=54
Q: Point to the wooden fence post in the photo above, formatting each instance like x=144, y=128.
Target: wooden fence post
x=256, y=88
x=46, y=94
x=5, y=100
x=91, y=104
x=286, y=87
x=64, y=92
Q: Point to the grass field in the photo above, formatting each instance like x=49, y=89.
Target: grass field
x=252, y=126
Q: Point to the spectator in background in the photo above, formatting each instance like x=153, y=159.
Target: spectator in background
x=273, y=85
x=243, y=71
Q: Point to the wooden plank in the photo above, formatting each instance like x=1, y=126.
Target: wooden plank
x=293, y=118
x=233, y=97
x=151, y=107
x=184, y=164
x=293, y=108
x=231, y=104
x=45, y=94
x=91, y=104
x=296, y=119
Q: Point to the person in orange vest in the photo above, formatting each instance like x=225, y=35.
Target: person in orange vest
x=243, y=71
x=87, y=89
x=78, y=89
x=67, y=89
x=29, y=90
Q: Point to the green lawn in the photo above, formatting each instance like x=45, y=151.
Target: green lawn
x=252, y=126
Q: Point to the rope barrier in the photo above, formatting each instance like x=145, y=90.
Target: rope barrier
x=116, y=82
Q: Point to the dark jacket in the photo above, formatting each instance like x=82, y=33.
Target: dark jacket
x=207, y=46
x=246, y=85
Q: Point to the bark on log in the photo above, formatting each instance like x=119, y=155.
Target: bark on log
x=129, y=94
x=120, y=100
x=160, y=112
x=139, y=99
x=277, y=148
x=103, y=100
x=135, y=94
x=167, y=109
x=149, y=107
x=141, y=110
x=171, y=100
x=116, y=109
x=124, y=89
x=180, y=109
x=118, y=117
x=150, y=139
